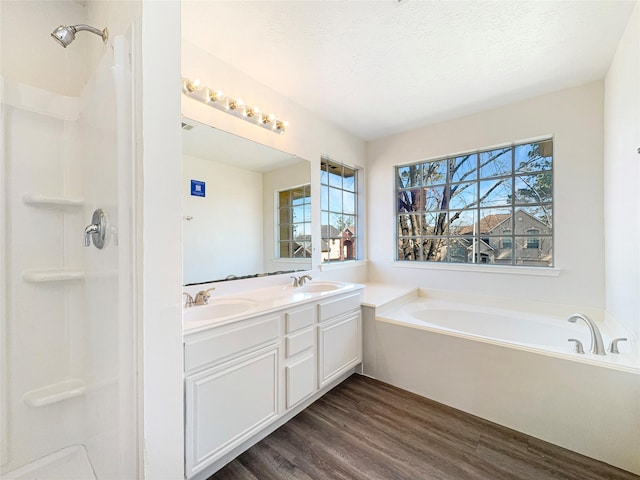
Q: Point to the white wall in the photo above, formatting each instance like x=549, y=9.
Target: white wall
x=622, y=179
x=161, y=236
x=575, y=118
x=224, y=237
x=25, y=27
x=308, y=136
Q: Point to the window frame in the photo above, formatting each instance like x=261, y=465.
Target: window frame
x=354, y=240
x=428, y=185
x=279, y=224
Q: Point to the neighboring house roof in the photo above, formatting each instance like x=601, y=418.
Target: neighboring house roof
x=519, y=211
x=491, y=222
x=348, y=231
x=487, y=224
x=300, y=252
x=329, y=231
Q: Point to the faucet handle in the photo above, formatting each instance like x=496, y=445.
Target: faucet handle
x=577, y=348
x=188, y=301
x=613, y=348
x=295, y=281
x=202, y=297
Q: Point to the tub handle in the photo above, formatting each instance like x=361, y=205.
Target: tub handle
x=578, y=346
x=613, y=348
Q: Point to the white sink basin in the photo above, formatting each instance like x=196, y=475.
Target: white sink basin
x=316, y=287
x=219, y=308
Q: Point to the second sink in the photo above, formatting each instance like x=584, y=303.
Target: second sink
x=219, y=308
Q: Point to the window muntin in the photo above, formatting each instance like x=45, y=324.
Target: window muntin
x=294, y=222
x=338, y=211
x=491, y=206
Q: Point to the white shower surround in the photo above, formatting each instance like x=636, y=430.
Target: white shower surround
x=470, y=353
x=68, y=327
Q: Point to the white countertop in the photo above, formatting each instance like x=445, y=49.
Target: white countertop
x=379, y=294
x=263, y=301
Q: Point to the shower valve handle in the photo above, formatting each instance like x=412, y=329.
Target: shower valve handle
x=97, y=231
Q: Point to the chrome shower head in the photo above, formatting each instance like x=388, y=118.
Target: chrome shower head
x=65, y=34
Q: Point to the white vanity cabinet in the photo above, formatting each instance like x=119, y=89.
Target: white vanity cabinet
x=231, y=387
x=339, y=337
x=245, y=378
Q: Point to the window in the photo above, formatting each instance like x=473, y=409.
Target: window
x=488, y=206
x=294, y=222
x=507, y=240
x=533, y=242
x=338, y=211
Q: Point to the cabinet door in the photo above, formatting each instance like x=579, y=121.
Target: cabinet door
x=227, y=404
x=339, y=347
x=300, y=379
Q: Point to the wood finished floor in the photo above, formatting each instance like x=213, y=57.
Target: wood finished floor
x=368, y=430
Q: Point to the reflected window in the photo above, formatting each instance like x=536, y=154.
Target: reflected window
x=489, y=206
x=338, y=207
x=294, y=222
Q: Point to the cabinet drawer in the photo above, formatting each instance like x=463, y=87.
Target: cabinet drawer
x=299, y=318
x=217, y=344
x=300, y=380
x=338, y=306
x=298, y=342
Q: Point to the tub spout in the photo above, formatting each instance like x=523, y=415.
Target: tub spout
x=597, y=345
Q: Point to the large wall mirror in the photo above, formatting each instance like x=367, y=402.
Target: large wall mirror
x=246, y=207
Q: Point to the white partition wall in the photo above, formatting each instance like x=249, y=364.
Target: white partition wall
x=68, y=323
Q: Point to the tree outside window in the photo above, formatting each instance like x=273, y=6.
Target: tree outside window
x=478, y=207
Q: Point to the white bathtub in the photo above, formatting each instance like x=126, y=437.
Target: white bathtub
x=515, y=368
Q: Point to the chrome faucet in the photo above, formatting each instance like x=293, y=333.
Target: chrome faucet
x=203, y=296
x=301, y=280
x=188, y=302
x=597, y=345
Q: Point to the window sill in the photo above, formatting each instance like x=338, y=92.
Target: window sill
x=463, y=267
x=338, y=265
x=291, y=260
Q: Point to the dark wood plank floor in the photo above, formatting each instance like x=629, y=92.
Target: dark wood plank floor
x=368, y=430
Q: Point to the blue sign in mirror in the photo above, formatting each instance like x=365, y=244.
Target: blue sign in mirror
x=197, y=188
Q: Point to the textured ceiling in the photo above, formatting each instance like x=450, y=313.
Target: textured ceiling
x=381, y=67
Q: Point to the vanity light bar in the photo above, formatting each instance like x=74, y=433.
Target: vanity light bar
x=234, y=106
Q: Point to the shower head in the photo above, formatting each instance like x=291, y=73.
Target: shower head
x=65, y=34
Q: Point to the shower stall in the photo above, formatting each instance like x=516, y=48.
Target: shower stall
x=68, y=324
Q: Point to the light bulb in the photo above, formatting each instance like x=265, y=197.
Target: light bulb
x=214, y=96
x=268, y=118
x=237, y=103
x=193, y=85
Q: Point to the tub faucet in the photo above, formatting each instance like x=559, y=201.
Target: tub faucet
x=597, y=345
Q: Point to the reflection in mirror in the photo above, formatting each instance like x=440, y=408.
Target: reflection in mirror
x=246, y=207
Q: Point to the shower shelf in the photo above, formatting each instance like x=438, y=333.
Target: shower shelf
x=55, y=393
x=48, y=201
x=43, y=276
